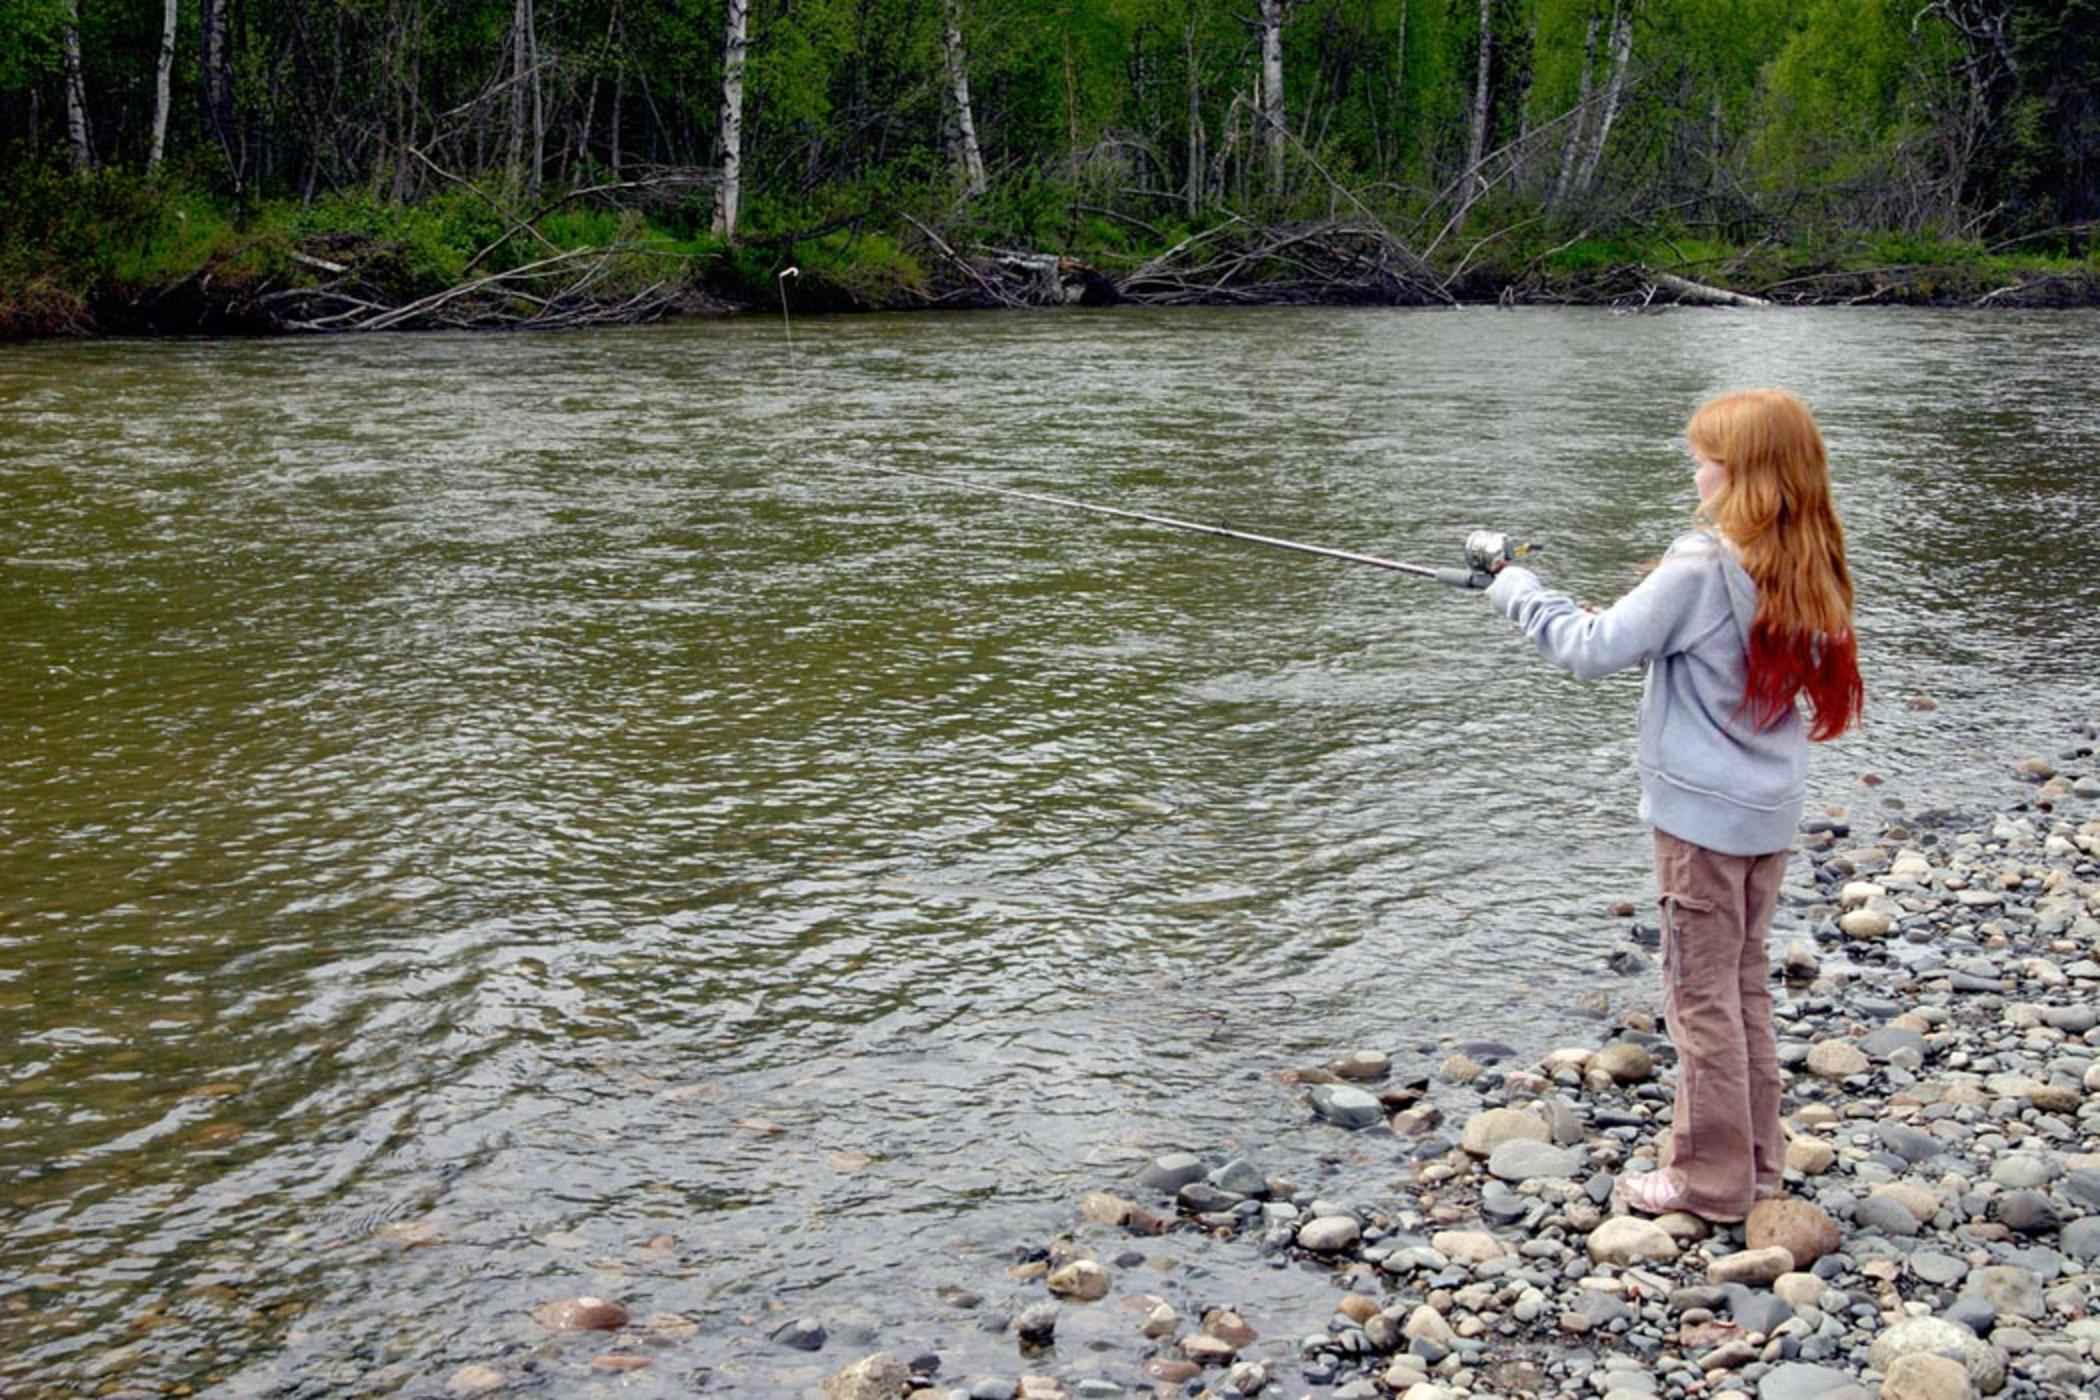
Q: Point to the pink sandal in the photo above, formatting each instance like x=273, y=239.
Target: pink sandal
x=1661, y=1193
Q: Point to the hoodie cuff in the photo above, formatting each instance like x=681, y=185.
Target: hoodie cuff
x=1510, y=587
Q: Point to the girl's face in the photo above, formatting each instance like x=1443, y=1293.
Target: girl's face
x=1710, y=476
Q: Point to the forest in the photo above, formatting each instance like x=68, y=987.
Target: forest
x=372, y=164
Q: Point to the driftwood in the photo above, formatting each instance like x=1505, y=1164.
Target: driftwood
x=1698, y=293
x=1239, y=263
x=558, y=292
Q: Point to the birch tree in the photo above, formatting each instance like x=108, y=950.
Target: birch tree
x=735, y=50
x=527, y=111
x=76, y=92
x=1571, y=146
x=1614, y=93
x=968, y=157
x=1477, y=121
x=161, y=73
x=1274, y=132
x=215, y=30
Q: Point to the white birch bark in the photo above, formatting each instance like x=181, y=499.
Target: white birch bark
x=1614, y=90
x=76, y=92
x=163, y=69
x=1272, y=114
x=1571, y=148
x=1476, y=141
x=966, y=151
x=735, y=46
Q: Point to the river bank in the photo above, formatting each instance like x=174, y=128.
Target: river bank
x=1937, y=1235
x=110, y=256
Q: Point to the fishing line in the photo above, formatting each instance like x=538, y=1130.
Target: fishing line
x=1483, y=549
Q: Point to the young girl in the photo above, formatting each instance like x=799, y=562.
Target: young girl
x=1743, y=626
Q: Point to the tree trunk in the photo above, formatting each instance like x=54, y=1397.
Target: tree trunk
x=76, y=93
x=520, y=66
x=1272, y=115
x=163, y=68
x=1571, y=148
x=539, y=107
x=1199, y=181
x=1614, y=90
x=1476, y=140
x=215, y=25
x=967, y=155
x=735, y=45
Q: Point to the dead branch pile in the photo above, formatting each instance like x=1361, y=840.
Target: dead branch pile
x=564, y=291
x=1330, y=263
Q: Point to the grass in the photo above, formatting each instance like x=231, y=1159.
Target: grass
x=71, y=245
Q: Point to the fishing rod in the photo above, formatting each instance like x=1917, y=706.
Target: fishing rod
x=1484, y=549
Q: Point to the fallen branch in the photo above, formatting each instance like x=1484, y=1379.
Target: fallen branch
x=1698, y=293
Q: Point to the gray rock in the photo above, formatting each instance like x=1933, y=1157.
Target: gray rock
x=1976, y=1314
x=803, y=1334
x=1241, y=1177
x=1037, y=1325
x=2007, y=1289
x=993, y=1388
x=1350, y=1107
x=2025, y=1212
x=2083, y=1186
x=2024, y=1171
x=1755, y=1309
x=1886, y=1214
x=1172, y=1172
x=1797, y=1380
x=2081, y=1239
x=1911, y=1144
x=1881, y=1044
x=1936, y=1268
x=1525, y=1159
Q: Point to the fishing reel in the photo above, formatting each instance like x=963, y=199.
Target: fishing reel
x=1485, y=552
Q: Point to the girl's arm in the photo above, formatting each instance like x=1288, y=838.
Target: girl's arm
x=1633, y=631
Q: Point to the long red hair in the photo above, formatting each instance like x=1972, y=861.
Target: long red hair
x=1775, y=508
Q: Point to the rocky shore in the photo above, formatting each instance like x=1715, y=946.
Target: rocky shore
x=1938, y=1235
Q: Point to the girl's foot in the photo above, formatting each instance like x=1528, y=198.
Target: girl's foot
x=1661, y=1193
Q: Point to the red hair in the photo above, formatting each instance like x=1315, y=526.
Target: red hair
x=1775, y=508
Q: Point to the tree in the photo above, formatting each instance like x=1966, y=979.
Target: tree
x=164, y=66
x=968, y=157
x=735, y=49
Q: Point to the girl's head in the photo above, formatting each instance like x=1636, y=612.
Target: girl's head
x=1772, y=501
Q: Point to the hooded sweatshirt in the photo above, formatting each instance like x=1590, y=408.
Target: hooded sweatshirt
x=1709, y=774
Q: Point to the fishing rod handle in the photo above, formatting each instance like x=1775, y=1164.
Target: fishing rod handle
x=1465, y=578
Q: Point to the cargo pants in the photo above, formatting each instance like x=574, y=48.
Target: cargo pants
x=1717, y=998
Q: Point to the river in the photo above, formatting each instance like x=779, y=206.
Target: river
x=485, y=819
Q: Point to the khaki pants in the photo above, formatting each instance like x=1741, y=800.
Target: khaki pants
x=1717, y=997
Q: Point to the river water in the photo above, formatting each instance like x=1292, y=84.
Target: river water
x=488, y=819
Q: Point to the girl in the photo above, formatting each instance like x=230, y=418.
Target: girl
x=1743, y=625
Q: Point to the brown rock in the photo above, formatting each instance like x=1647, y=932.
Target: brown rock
x=1625, y=1062
x=1752, y=1266
x=580, y=1315
x=1803, y=1230
x=1082, y=1280
x=627, y=1361
x=1104, y=1209
x=1166, y=1368
x=878, y=1377
x=1920, y=1376
x=1357, y=1308
x=1207, y=1351
x=476, y=1380
x=1229, y=1327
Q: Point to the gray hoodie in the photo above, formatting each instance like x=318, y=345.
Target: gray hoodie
x=1709, y=775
